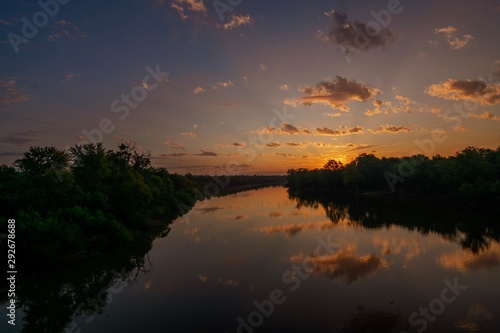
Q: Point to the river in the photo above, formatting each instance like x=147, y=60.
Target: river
x=266, y=261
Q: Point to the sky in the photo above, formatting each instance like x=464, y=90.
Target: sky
x=250, y=87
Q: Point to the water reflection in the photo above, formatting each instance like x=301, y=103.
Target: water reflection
x=50, y=302
x=235, y=250
x=473, y=230
x=375, y=320
x=345, y=264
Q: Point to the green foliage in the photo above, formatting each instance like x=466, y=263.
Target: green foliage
x=470, y=176
x=74, y=205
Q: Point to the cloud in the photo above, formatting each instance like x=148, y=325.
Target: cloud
x=273, y=145
x=355, y=35
x=175, y=155
x=223, y=84
x=191, y=134
x=403, y=104
x=290, y=102
x=206, y=153
x=236, y=21
x=390, y=129
x=363, y=147
x=7, y=23
x=461, y=129
x=184, y=6
x=474, y=90
x=284, y=129
x=10, y=92
x=450, y=34
x=295, y=144
x=69, y=77
x=198, y=90
x=238, y=144
x=333, y=115
x=262, y=68
x=485, y=115
x=341, y=131
x=20, y=139
x=66, y=29
x=284, y=87
x=337, y=93
x=175, y=145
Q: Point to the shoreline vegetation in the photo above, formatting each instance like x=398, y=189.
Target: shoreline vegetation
x=471, y=178
x=74, y=205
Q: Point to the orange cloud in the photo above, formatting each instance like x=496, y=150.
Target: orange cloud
x=475, y=90
x=237, y=21
x=390, y=129
x=450, y=34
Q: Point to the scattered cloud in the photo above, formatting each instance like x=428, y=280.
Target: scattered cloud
x=236, y=21
x=11, y=92
x=363, y=147
x=175, y=155
x=461, y=129
x=238, y=144
x=295, y=144
x=191, y=134
x=333, y=115
x=198, y=90
x=69, y=77
x=206, y=153
x=20, y=139
x=402, y=104
x=485, y=115
x=354, y=36
x=175, y=145
x=284, y=129
x=451, y=36
x=273, y=145
x=223, y=84
x=284, y=87
x=66, y=30
x=337, y=93
x=184, y=6
x=475, y=90
x=390, y=129
x=341, y=131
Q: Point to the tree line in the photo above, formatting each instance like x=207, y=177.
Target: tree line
x=75, y=204
x=472, y=175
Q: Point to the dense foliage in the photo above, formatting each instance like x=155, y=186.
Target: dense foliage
x=72, y=205
x=471, y=175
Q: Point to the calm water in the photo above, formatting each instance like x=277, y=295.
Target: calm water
x=265, y=261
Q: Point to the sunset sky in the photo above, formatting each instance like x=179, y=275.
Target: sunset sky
x=266, y=85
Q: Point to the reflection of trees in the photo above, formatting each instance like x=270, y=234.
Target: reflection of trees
x=473, y=230
x=51, y=304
